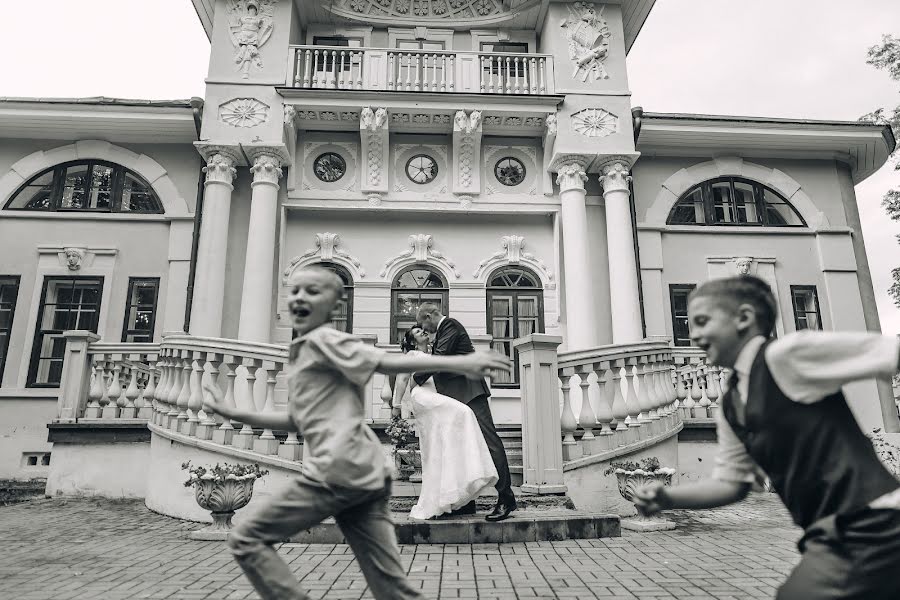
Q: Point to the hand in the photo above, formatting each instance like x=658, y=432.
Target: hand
x=480, y=364
x=395, y=411
x=214, y=402
x=651, y=498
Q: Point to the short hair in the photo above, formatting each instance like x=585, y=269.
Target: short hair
x=744, y=289
x=428, y=308
x=329, y=278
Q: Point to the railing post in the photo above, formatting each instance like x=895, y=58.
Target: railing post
x=542, y=450
x=370, y=339
x=76, y=375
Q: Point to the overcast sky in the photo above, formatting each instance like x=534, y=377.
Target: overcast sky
x=777, y=58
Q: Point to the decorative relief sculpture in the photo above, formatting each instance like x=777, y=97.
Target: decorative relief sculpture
x=74, y=257
x=266, y=168
x=571, y=176
x=417, y=9
x=290, y=113
x=513, y=253
x=588, y=37
x=551, y=124
x=468, y=126
x=421, y=249
x=595, y=122
x=219, y=169
x=373, y=124
x=743, y=264
x=251, y=23
x=326, y=250
x=615, y=177
x=467, y=122
x=244, y=112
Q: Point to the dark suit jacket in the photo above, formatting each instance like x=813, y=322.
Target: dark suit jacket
x=451, y=339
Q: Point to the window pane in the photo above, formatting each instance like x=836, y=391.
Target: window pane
x=778, y=212
x=140, y=311
x=806, y=309
x=9, y=289
x=689, y=210
x=37, y=195
x=101, y=187
x=723, y=209
x=745, y=202
x=419, y=278
x=136, y=196
x=74, y=193
x=678, y=295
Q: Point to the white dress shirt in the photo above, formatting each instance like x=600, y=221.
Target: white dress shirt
x=808, y=366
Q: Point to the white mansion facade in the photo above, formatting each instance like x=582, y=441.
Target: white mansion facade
x=480, y=154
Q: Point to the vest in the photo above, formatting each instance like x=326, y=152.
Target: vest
x=817, y=457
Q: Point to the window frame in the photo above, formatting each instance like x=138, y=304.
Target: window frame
x=709, y=205
x=815, y=294
x=514, y=293
x=128, y=305
x=39, y=331
x=675, y=288
x=347, y=297
x=396, y=289
x=15, y=280
x=120, y=173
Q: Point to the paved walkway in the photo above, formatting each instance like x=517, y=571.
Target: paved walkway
x=108, y=550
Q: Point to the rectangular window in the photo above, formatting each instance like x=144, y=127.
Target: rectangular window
x=9, y=291
x=513, y=314
x=806, y=307
x=678, y=297
x=67, y=303
x=510, y=68
x=140, y=309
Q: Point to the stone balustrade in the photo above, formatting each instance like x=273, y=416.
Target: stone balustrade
x=699, y=385
x=601, y=402
x=343, y=68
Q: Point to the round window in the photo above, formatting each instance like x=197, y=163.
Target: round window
x=509, y=171
x=421, y=168
x=329, y=167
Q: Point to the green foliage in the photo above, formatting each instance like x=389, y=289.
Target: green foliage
x=886, y=55
x=650, y=464
x=220, y=472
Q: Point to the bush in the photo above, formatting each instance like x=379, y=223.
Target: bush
x=650, y=464
x=221, y=472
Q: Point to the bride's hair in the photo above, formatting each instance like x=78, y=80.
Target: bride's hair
x=409, y=340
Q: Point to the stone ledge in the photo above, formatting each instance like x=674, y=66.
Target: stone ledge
x=622, y=450
x=113, y=431
x=698, y=430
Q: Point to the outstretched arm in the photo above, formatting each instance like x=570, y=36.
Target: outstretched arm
x=400, y=387
x=474, y=366
x=280, y=421
x=443, y=346
x=710, y=493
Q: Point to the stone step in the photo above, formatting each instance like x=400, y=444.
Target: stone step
x=406, y=494
x=523, y=526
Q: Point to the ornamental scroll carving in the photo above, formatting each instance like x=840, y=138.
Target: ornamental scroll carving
x=420, y=250
x=373, y=125
x=326, y=249
x=250, y=23
x=588, y=37
x=467, y=145
x=513, y=253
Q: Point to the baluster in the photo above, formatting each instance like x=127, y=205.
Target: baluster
x=184, y=395
x=443, y=72
x=533, y=73
x=667, y=390
x=307, y=68
x=542, y=73
x=111, y=407
x=244, y=438
x=148, y=394
x=159, y=405
x=631, y=403
x=701, y=408
x=98, y=385
x=132, y=392
x=619, y=407
x=712, y=389
x=344, y=82
x=681, y=392
x=645, y=396
x=267, y=443
x=392, y=73
x=291, y=448
x=223, y=435
x=518, y=75
x=316, y=74
x=451, y=73
x=660, y=393
x=508, y=75
x=419, y=73
x=360, y=61
x=333, y=80
x=171, y=421
x=485, y=72
x=121, y=400
x=586, y=418
x=694, y=400
x=567, y=420
x=195, y=393
x=604, y=405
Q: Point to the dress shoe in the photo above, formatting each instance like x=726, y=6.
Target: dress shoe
x=500, y=512
x=467, y=509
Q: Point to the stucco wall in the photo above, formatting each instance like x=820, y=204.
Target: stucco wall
x=105, y=470
x=23, y=428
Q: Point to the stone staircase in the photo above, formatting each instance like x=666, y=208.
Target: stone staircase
x=512, y=441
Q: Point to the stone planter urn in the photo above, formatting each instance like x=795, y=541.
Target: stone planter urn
x=629, y=480
x=409, y=463
x=222, y=491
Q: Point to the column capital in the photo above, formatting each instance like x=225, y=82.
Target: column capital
x=571, y=176
x=220, y=169
x=615, y=177
x=266, y=169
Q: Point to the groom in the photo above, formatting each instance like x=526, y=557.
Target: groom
x=451, y=338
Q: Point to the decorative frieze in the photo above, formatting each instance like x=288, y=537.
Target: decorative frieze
x=420, y=250
x=513, y=253
x=326, y=249
x=392, y=10
x=250, y=23
x=588, y=36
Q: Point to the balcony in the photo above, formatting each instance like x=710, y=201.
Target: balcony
x=392, y=70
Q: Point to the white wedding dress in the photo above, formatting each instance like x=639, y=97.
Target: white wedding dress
x=456, y=463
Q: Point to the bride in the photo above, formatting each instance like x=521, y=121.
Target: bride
x=456, y=463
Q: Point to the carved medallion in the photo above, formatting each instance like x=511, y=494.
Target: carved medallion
x=244, y=112
x=595, y=122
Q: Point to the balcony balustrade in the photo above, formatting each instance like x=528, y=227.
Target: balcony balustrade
x=343, y=68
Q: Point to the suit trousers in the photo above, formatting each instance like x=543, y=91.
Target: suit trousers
x=482, y=410
x=854, y=556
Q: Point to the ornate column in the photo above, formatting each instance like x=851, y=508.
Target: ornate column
x=623, y=283
x=256, y=297
x=209, y=281
x=581, y=314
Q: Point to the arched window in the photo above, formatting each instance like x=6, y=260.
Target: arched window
x=515, y=308
x=342, y=316
x=413, y=287
x=734, y=201
x=86, y=186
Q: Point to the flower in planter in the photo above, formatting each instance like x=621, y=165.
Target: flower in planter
x=632, y=475
x=222, y=490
